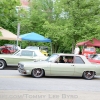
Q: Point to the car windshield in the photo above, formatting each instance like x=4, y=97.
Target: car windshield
x=92, y=49
x=52, y=57
x=32, y=47
x=16, y=52
x=96, y=57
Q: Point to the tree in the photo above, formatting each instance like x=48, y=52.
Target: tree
x=70, y=20
x=83, y=18
x=65, y=22
x=51, y=25
x=8, y=18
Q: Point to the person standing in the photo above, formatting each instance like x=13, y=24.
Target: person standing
x=77, y=50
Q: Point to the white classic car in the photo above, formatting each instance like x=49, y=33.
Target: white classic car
x=75, y=65
x=20, y=55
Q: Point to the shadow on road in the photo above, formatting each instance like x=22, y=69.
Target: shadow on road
x=10, y=68
x=53, y=77
x=59, y=77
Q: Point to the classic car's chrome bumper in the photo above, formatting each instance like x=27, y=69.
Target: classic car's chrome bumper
x=22, y=71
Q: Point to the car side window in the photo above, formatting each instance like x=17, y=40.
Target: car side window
x=26, y=53
x=78, y=60
x=65, y=59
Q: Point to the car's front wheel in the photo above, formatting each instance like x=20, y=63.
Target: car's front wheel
x=2, y=64
x=37, y=72
x=88, y=75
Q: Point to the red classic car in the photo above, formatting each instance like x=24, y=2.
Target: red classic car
x=95, y=58
x=8, y=48
x=89, y=51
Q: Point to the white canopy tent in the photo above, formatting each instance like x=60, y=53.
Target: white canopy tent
x=7, y=35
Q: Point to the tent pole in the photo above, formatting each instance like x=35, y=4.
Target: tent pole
x=51, y=47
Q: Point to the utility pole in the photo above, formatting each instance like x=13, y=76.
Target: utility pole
x=18, y=25
x=18, y=32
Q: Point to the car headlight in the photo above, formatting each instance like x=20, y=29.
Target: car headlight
x=21, y=66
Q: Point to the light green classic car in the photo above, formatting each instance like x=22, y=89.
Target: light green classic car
x=20, y=55
x=75, y=65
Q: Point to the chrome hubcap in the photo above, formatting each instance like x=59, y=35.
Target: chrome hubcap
x=37, y=72
x=89, y=74
x=1, y=64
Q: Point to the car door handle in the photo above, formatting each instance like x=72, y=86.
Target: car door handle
x=72, y=65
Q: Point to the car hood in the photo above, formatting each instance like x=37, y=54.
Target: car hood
x=32, y=62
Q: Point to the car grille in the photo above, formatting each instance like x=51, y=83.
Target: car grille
x=21, y=66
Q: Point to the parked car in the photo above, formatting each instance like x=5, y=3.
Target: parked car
x=43, y=49
x=77, y=65
x=8, y=48
x=94, y=58
x=20, y=55
x=89, y=50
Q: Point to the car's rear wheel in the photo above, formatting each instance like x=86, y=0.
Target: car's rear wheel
x=2, y=64
x=37, y=72
x=88, y=75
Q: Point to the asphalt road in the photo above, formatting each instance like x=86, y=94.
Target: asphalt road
x=15, y=86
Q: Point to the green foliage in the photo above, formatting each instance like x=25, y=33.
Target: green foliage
x=82, y=19
x=65, y=22
x=8, y=14
x=8, y=18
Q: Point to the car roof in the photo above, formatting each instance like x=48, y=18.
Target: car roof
x=29, y=49
x=63, y=54
x=36, y=51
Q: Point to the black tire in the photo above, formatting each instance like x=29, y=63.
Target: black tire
x=37, y=72
x=2, y=64
x=88, y=75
